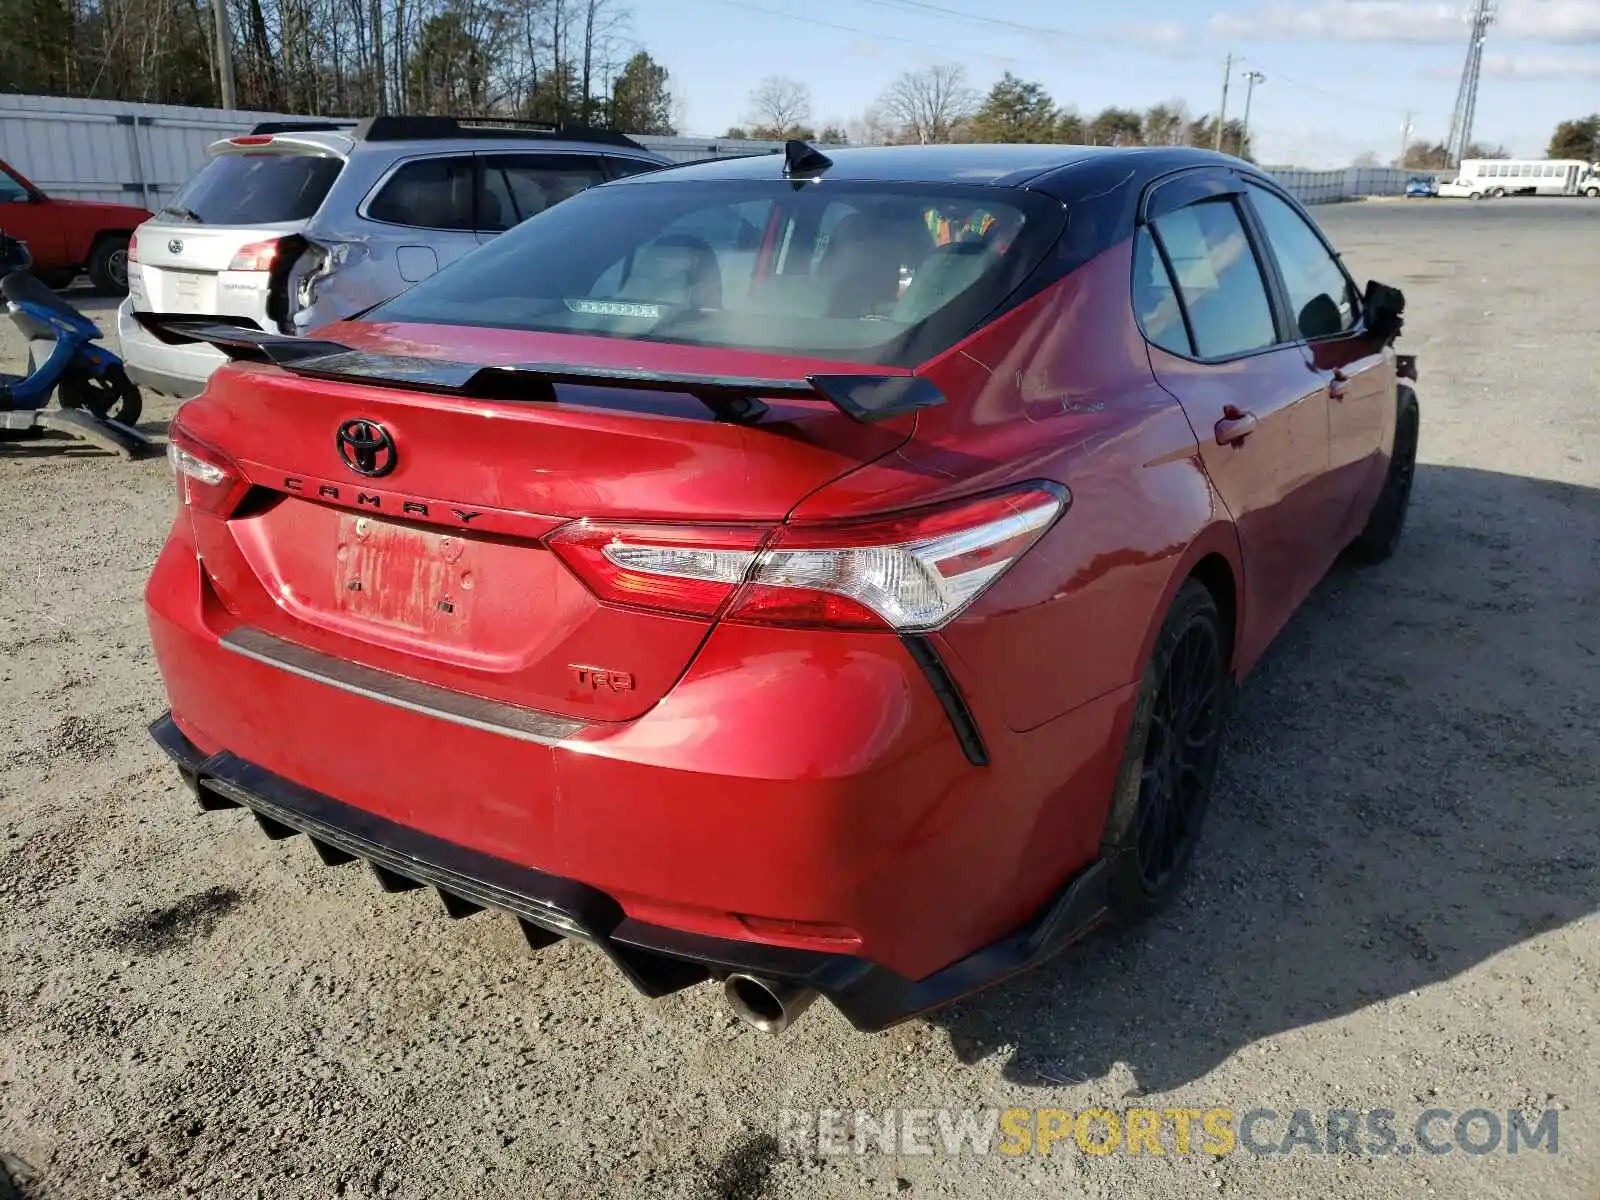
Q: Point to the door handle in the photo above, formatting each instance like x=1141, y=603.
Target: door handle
x=1336, y=385
x=1235, y=426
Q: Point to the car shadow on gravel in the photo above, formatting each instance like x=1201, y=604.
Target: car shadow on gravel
x=1409, y=789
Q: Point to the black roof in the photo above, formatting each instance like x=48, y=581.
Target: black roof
x=996, y=164
x=409, y=128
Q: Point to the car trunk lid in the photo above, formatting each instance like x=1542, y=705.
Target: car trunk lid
x=432, y=565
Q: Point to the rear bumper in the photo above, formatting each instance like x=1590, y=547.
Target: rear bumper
x=798, y=803
x=180, y=371
x=656, y=959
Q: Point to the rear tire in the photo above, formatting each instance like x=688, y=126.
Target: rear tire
x=1377, y=542
x=111, y=397
x=1170, y=762
x=108, y=265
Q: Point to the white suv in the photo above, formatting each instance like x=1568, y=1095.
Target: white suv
x=296, y=224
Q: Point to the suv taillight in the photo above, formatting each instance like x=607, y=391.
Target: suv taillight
x=255, y=256
x=133, y=246
x=910, y=574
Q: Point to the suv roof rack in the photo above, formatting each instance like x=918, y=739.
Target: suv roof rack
x=396, y=129
x=270, y=127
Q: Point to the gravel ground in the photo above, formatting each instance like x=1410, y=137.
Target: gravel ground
x=1394, y=905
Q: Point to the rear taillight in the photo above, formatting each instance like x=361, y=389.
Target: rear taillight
x=207, y=478
x=255, y=256
x=909, y=574
x=133, y=247
x=688, y=570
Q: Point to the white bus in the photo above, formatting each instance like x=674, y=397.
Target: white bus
x=1480, y=177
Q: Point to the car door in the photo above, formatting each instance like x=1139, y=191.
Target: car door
x=430, y=203
x=1218, y=345
x=32, y=220
x=1355, y=367
x=516, y=186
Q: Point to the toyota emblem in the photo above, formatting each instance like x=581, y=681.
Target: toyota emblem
x=175, y=246
x=366, y=447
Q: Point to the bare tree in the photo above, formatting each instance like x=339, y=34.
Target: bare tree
x=928, y=105
x=871, y=128
x=780, y=106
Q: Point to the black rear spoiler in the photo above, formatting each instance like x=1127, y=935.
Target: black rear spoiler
x=866, y=397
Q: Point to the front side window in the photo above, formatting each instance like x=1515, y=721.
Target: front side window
x=435, y=193
x=1321, y=296
x=842, y=269
x=11, y=192
x=1219, y=278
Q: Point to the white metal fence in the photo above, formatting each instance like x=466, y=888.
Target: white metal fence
x=142, y=153
x=1326, y=187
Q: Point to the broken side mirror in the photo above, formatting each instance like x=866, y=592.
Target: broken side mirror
x=1385, y=307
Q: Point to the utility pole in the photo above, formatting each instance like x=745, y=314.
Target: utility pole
x=1222, y=117
x=224, y=53
x=1251, y=78
x=1405, y=139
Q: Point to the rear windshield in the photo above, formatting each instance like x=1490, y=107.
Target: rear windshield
x=868, y=272
x=255, y=189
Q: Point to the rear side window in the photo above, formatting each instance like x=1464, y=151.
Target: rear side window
x=519, y=186
x=435, y=193
x=1321, y=296
x=1219, y=277
x=1155, y=300
x=621, y=168
x=255, y=189
x=885, y=273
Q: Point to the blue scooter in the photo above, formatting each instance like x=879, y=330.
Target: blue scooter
x=98, y=402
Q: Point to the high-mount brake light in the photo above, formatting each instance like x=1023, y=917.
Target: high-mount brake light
x=251, y=139
x=255, y=256
x=207, y=478
x=909, y=573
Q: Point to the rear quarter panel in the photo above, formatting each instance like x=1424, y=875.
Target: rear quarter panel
x=1060, y=389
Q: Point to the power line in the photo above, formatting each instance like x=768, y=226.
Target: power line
x=975, y=18
x=1006, y=60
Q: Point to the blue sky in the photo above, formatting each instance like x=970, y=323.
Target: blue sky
x=1341, y=74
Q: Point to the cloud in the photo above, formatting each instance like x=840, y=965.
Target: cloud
x=1315, y=148
x=1535, y=67
x=1154, y=33
x=1570, y=21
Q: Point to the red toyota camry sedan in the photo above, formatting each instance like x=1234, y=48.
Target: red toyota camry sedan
x=825, y=574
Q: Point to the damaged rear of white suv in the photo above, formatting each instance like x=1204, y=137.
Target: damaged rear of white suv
x=299, y=223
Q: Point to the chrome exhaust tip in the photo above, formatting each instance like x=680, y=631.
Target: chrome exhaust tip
x=769, y=1005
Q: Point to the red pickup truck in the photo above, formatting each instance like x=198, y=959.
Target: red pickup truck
x=69, y=236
